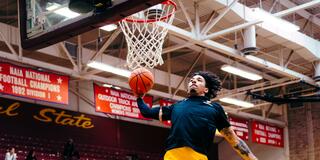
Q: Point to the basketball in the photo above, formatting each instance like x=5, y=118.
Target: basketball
x=141, y=81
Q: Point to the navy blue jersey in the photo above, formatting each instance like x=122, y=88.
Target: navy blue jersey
x=194, y=122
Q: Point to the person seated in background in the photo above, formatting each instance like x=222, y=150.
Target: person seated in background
x=70, y=152
x=76, y=155
x=31, y=155
x=11, y=155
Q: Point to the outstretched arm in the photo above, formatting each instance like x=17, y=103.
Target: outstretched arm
x=146, y=111
x=237, y=144
x=153, y=113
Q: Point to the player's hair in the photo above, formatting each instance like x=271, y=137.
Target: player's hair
x=213, y=83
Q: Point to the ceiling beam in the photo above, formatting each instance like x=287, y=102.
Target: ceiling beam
x=234, y=53
x=297, y=8
x=175, y=47
x=231, y=29
x=184, y=10
x=67, y=53
x=8, y=44
x=304, y=45
x=112, y=37
x=222, y=58
x=212, y=22
x=302, y=13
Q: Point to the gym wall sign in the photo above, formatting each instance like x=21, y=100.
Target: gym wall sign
x=49, y=115
x=118, y=102
x=33, y=84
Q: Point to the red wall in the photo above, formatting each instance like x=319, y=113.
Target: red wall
x=106, y=132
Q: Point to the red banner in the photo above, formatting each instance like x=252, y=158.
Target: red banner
x=118, y=102
x=267, y=134
x=29, y=83
x=241, y=127
x=163, y=103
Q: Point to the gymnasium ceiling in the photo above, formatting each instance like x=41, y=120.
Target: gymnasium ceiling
x=282, y=60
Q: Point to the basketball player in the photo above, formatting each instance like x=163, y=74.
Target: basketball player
x=194, y=121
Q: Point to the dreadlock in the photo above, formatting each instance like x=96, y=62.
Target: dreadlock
x=213, y=83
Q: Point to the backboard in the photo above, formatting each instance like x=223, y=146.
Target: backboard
x=46, y=22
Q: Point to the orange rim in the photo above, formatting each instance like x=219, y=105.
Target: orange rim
x=169, y=2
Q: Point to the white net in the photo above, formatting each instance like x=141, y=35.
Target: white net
x=145, y=37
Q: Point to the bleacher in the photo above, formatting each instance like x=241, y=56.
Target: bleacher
x=49, y=149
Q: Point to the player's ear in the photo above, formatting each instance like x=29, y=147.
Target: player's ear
x=206, y=90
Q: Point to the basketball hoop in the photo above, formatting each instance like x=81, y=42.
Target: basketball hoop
x=145, y=37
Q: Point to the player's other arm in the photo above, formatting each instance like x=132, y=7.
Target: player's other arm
x=154, y=112
x=146, y=111
x=237, y=144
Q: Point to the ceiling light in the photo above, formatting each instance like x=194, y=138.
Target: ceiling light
x=64, y=11
x=109, y=27
x=107, y=85
x=242, y=73
x=237, y=102
x=109, y=68
x=116, y=87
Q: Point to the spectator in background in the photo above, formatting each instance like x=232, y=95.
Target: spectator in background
x=11, y=155
x=69, y=150
x=132, y=157
x=76, y=155
x=31, y=155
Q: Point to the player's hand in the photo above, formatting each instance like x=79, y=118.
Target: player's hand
x=141, y=95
